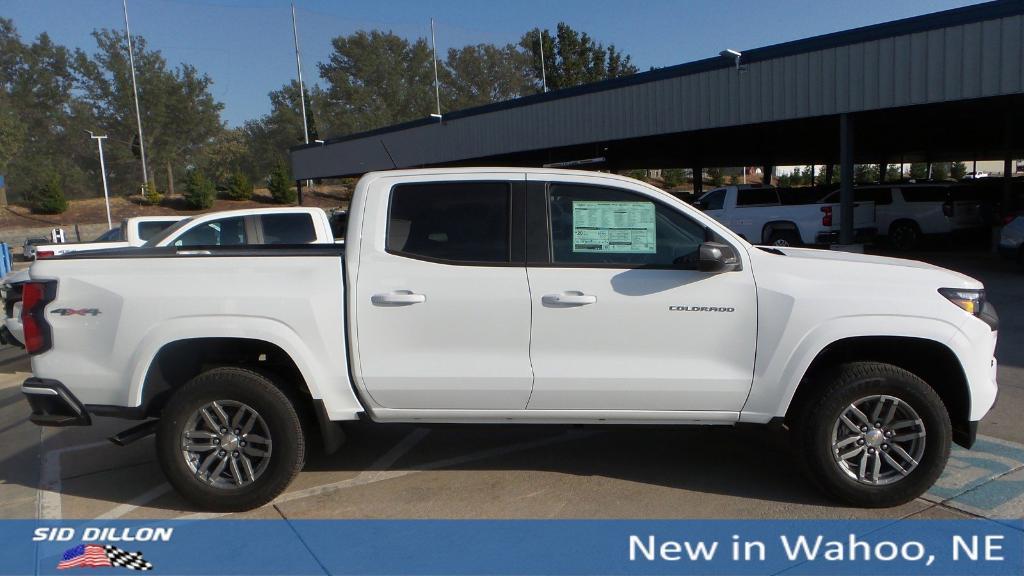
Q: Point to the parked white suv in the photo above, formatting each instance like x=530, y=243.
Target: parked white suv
x=907, y=213
x=505, y=295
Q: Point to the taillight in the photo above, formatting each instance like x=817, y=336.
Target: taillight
x=34, y=298
x=43, y=254
x=1009, y=218
x=826, y=215
x=947, y=209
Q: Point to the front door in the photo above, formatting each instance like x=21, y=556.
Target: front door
x=622, y=318
x=443, y=310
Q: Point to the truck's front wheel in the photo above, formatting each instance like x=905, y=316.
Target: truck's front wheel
x=876, y=436
x=230, y=440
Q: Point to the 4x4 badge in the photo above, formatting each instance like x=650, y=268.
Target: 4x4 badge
x=76, y=311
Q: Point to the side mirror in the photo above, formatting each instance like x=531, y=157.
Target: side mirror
x=718, y=257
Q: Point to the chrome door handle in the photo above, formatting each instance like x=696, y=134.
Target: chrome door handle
x=571, y=298
x=398, y=298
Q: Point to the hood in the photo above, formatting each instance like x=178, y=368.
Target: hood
x=877, y=263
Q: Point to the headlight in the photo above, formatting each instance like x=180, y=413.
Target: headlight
x=969, y=301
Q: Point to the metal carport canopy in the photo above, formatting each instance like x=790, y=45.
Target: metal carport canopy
x=942, y=86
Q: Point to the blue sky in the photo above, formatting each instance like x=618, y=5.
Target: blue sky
x=246, y=45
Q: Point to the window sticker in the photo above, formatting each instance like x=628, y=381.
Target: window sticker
x=613, y=227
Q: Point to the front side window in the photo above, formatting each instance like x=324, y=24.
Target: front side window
x=451, y=221
x=288, y=228
x=613, y=227
x=757, y=197
x=224, y=232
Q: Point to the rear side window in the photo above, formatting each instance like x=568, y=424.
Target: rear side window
x=288, y=228
x=757, y=197
x=925, y=194
x=149, y=229
x=224, y=232
x=453, y=221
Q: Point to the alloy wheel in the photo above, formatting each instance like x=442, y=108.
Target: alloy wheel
x=878, y=440
x=226, y=444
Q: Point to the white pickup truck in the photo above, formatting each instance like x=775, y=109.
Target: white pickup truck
x=783, y=216
x=134, y=231
x=293, y=225
x=500, y=295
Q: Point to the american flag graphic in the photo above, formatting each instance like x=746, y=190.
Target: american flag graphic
x=97, y=556
x=92, y=555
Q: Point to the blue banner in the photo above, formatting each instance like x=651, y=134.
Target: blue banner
x=442, y=547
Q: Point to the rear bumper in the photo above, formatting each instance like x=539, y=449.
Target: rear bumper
x=53, y=404
x=860, y=236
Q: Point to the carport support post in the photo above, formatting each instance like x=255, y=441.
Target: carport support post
x=845, y=179
x=298, y=189
x=766, y=174
x=698, y=181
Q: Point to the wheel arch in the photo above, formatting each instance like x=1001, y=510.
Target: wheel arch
x=904, y=220
x=778, y=225
x=930, y=360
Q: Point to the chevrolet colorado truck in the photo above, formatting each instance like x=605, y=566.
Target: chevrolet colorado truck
x=502, y=295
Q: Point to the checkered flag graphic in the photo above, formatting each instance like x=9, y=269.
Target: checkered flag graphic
x=129, y=560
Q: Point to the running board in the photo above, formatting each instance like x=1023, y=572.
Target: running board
x=134, y=433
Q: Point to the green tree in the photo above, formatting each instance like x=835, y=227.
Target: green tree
x=483, y=73
x=150, y=194
x=919, y=171
x=239, y=187
x=714, y=175
x=41, y=119
x=894, y=173
x=572, y=58
x=940, y=171
x=180, y=117
x=199, y=191
x=49, y=198
x=266, y=140
x=865, y=173
x=958, y=170
x=673, y=177
x=280, y=186
x=376, y=79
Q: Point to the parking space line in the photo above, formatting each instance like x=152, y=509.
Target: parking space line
x=140, y=500
x=48, y=502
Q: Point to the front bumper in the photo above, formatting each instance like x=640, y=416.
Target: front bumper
x=53, y=404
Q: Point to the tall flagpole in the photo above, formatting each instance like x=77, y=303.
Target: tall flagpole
x=437, y=88
x=135, y=91
x=298, y=66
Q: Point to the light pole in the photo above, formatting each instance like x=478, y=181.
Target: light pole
x=103, y=172
x=135, y=92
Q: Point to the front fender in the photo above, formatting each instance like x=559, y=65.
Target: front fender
x=777, y=374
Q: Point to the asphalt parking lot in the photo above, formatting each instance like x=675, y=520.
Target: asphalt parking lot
x=405, y=471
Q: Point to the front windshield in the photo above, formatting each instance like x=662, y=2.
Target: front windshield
x=156, y=240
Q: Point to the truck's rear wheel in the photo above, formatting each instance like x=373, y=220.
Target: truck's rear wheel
x=877, y=436
x=784, y=238
x=230, y=440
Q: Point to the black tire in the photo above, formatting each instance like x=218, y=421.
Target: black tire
x=278, y=416
x=820, y=419
x=904, y=236
x=784, y=238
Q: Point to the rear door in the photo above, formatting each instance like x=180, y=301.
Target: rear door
x=622, y=318
x=443, y=304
